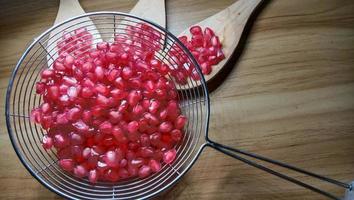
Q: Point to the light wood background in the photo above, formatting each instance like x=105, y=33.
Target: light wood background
x=290, y=96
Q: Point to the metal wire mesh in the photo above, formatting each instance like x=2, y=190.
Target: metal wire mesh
x=26, y=135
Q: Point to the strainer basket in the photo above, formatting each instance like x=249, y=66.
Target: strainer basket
x=193, y=98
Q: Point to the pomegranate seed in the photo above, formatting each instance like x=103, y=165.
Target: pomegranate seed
x=134, y=97
x=81, y=126
x=76, y=139
x=114, y=116
x=66, y=164
x=154, y=106
x=47, y=73
x=111, y=159
x=144, y=171
x=102, y=46
x=180, y=122
x=40, y=88
x=169, y=156
x=154, y=165
x=106, y=127
x=99, y=72
x=123, y=173
x=93, y=176
x=47, y=142
x=196, y=30
x=74, y=114
x=127, y=73
x=80, y=171
x=61, y=141
x=165, y=127
x=53, y=92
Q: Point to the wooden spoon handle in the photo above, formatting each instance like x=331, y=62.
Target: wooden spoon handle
x=68, y=9
x=153, y=10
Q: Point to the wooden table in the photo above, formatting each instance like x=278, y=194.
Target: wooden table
x=290, y=97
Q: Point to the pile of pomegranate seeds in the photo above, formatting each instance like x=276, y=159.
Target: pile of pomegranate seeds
x=108, y=111
x=205, y=47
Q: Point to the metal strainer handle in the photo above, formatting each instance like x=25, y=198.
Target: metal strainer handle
x=236, y=153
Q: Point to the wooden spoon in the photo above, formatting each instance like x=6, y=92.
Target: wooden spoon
x=68, y=9
x=153, y=10
x=229, y=25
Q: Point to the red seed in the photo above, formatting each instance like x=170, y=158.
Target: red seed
x=180, y=122
x=134, y=97
x=127, y=73
x=154, y=165
x=93, y=176
x=133, y=126
x=47, y=142
x=80, y=171
x=144, y=171
x=115, y=116
x=60, y=141
x=66, y=164
x=165, y=127
x=196, y=30
x=169, y=156
x=111, y=159
x=106, y=127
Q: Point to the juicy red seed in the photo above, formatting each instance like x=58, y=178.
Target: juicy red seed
x=180, y=122
x=87, y=116
x=45, y=107
x=106, y=127
x=111, y=159
x=86, y=92
x=196, y=30
x=102, y=46
x=58, y=66
x=87, y=67
x=133, y=126
x=102, y=100
x=154, y=165
x=206, y=68
x=93, y=176
x=47, y=142
x=53, y=92
x=40, y=88
x=144, y=171
x=118, y=94
x=66, y=164
x=76, y=139
x=215, y=42
x=61, y=141
x=119, y=135
x=80, y=171
x=169, y=156
x=146, y=152
x=127, y=73
x=47, y=73
x=137, y=162
x=134, y=97
x=69, y=61
x=165, y=127
x=154, y=106
x=123, y=173
x=176, y=135
x=115, y=116
x=81, y=126
x=74, y=114
x=102, y=89
x=99, y=72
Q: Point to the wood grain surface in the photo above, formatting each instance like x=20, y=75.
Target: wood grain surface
x=290, y=96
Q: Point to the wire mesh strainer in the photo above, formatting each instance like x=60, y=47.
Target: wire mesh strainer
x=193, y=98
